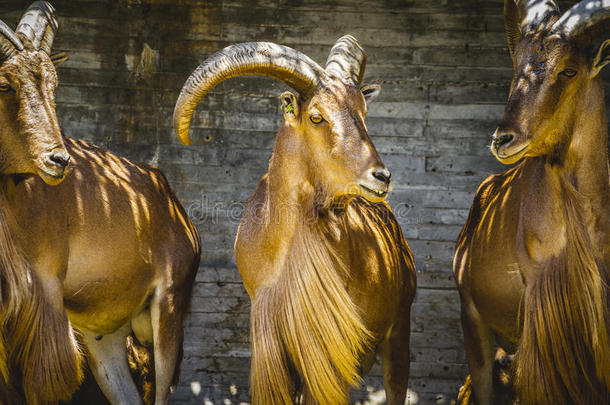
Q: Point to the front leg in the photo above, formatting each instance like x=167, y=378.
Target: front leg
x=107, y=358
x=479, y=346
x=395, y=360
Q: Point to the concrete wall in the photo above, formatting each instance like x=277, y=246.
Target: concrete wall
x=444, y=68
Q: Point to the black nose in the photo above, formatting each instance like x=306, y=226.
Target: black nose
x=383, y=175
x=502, y=139
x=61, y=158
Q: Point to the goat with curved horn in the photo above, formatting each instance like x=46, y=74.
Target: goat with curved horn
x=107, y=267
x=532, y=262
x=317, y=242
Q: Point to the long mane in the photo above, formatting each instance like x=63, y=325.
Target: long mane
x=565, y=339
x=40, y=360
x=307, y=324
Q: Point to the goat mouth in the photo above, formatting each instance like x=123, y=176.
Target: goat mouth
x=511, y=158
x=377, y=194
x=51, y=177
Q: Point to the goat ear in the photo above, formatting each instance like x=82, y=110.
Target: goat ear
x=59, y=58
x=290, y=105
x=512, y=24
x=370, y=92
x=602, y=58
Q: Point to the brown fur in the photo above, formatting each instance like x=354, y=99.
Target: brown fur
x=565, y=335
x=126, y=210
x=533, y=258
x=315, y=311
x=308, y=321
x=40, y=360
x=37, y=339
x=308, y=334
x=313, y=255
x=184, y=263
x=138, y=278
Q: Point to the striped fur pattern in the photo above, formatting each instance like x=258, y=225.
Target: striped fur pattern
x=307, y=323
x=39, y=354
x=565, y=338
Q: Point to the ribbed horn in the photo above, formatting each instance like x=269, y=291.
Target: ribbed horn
x=251, y=58
x=582, y=17
x=534, y=12
x=39, y=25
x=9, y=43
x=347, y=60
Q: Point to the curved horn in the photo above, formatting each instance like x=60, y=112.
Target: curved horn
x=250, y=58
x=534, y=12
x=9, y=43
x=581, y=17
x=39, y=25
x=347, y=60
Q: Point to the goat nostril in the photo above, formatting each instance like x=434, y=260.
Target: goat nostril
x=60, y=159
x=383, y=175
x=503, y=140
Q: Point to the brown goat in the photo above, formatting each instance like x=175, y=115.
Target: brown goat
x=322, y=257
x=532, y=262
x=109, y=244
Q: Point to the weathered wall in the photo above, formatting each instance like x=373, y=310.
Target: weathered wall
x=444, y=68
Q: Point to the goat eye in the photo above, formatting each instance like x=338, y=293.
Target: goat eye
x=569, y=73
x=316, y=118
x=5, y=87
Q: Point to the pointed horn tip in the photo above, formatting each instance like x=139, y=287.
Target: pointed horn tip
x=183, y=134
x=349, y=39
x=47, y=9
x=181, y=124
x=185, y=140
x=181, y=129
x=42, y=5
x=350, y=44
x=345, y=54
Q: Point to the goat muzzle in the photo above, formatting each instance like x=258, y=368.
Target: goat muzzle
x=54, y=166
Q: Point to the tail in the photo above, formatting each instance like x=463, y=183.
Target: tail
x=564, y=353
x=38, y=349
x=306, y=323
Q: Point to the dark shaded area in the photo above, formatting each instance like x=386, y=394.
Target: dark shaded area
x=502, y=381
